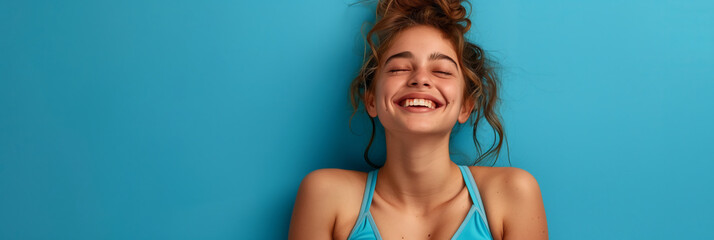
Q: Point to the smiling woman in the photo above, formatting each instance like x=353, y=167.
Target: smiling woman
x=420, y=78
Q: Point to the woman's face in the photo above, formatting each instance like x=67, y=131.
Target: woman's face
x=419, y=85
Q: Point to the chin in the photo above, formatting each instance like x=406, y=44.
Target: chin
x=425, y=129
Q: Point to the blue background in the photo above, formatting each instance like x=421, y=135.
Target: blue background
x=198, y=119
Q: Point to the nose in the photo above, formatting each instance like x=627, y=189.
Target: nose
x=420, y=78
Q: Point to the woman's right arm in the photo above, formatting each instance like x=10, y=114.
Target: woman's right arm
x=315, y=208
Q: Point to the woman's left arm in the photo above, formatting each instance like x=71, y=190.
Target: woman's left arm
x=525, y=214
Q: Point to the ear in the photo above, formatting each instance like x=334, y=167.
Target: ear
x=370, y=104
x=466, y=110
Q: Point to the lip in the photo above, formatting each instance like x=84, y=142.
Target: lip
x=438, y=102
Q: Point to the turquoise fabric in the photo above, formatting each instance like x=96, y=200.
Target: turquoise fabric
x=474, y=226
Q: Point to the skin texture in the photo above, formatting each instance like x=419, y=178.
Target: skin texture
x=420, y=193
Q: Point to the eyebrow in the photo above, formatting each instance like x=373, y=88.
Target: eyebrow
x=433, y=56
x=438, y=56
x=405, y=54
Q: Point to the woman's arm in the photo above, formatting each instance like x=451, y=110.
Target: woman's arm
x=315, y=207
x=524, y=216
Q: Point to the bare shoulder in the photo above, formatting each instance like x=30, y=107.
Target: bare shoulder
x=332, y=180
x=509, y=179
x=331, y=187
x=513, y=202
x=323, y=196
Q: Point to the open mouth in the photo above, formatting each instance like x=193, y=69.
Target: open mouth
x=418, y=103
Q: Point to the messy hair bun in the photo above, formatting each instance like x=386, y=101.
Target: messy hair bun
x=451, y=17
x=440, y=14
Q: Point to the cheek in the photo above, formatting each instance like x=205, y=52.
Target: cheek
x=385, y=91
x=454, y=93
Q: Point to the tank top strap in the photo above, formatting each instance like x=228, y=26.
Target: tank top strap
x=473, y=191
x=368, y=191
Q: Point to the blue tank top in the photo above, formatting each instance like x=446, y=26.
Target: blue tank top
x=474, y=226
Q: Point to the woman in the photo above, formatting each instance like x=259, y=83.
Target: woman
x=421, y=77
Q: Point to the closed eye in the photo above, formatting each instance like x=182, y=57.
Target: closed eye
x=398, y=70
x=443, y=72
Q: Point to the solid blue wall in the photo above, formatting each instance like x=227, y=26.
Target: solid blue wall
x=198, y=119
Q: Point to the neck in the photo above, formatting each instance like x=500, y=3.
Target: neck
x=418, y=172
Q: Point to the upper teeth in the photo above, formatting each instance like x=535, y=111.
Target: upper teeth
x=419, y=102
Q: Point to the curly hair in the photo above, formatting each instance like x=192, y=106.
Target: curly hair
x=450, y=17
